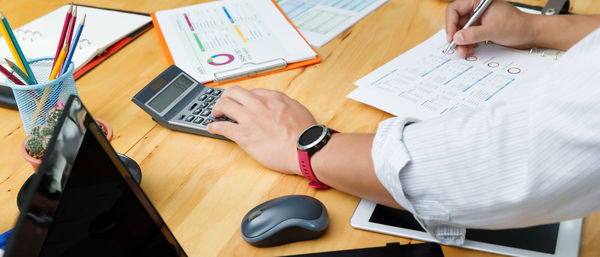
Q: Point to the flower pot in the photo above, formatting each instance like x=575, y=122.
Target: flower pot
x=35, y=163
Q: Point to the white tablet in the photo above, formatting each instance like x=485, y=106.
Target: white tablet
x=550, y=240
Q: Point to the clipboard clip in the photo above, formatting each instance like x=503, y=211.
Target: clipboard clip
x=250, y=69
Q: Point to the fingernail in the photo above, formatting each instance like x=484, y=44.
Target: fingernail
x=458, y=38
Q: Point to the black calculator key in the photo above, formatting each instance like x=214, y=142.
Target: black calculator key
x=198, y=120
x=211, y=106
x=197, y=111
x=190, y=118
x=210, y=98
x=207, y=121
x=217, y=92
x=209, y=90
x=193, y=106
x=203, y=104
x=181, y=117
x=205, y=113
x=202, y=97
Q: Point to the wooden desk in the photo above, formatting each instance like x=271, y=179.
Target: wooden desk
x=202, y=187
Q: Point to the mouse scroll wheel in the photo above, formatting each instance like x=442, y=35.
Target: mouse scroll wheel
x=254, y=214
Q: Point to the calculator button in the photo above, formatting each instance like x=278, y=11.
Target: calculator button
x=193, y=106
x=207, y=121
x=198, y=120
x=181, y=117
x=203, y=105
x=205, y=113
x=217, y=92
x=190, y=118
x=197, y=111
x=210, y=98
x=202, y=97
x=209, y=90
x=211, y=106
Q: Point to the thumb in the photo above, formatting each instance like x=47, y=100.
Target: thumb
x=223, y=128
x=472, y=35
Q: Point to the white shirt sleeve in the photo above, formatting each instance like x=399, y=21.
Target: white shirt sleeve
x=532, y=159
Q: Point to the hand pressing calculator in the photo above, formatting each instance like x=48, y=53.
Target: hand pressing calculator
x=177, y=101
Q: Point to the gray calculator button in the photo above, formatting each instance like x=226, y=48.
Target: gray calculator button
x=207, y=121
x=211, y=106
x=205, y=113
x=217, y=92
x=198, y=120
x=190, y=118
x=193, y=106
x=210, y=98
x=202, y=97
x=197, y=111
x=209, y=90
x=203, y=104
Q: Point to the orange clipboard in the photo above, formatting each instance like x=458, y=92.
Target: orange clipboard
x=290, y=66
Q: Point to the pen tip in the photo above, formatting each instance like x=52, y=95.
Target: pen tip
x=83, y=21
x=1, y=15
x=70, y=8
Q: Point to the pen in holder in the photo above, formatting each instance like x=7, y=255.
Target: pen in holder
x=34, y=101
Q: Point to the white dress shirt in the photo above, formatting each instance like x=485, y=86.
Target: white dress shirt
x=531, y=159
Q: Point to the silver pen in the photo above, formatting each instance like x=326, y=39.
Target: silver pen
x=479, y=9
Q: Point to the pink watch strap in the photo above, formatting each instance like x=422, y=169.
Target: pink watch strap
x=307, y=171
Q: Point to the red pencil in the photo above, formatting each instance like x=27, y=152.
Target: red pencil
x=10, y=76
x=71, y=27
x=61, y=41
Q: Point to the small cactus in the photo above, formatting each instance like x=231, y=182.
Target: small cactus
x=39, y=136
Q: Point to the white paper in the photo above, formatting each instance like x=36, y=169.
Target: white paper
x=320, y=21
x=102, y=29
x=424, y=82
x=213, y=37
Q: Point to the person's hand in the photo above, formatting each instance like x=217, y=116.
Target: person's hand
x=268, y=125
x=500, y=23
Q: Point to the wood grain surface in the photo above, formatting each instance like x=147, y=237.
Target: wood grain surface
x=202, y=187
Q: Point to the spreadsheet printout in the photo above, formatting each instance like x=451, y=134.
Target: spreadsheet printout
x=425, y=82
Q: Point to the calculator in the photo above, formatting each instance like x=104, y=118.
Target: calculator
x=177, y=101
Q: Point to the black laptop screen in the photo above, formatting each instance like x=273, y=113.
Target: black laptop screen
x=85, y=206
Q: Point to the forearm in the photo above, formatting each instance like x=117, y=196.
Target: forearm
x=345, y=163
x=562, y=31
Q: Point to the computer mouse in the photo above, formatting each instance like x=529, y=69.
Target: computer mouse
x=285, y=219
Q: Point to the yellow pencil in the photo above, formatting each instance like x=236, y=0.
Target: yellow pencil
x=47, y=90
x=11, y=44
x=59, y=62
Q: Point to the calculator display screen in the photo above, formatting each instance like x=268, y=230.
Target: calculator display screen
x=170, y=93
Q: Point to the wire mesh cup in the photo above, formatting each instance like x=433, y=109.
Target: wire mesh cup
x=34, y=101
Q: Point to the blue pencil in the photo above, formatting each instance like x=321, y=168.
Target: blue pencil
x=73, y=47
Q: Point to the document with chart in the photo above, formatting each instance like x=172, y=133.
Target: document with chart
x=222, y=36
x=425, y=82
x=322, y=20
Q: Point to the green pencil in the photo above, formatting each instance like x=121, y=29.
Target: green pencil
x=19, y=72
x=18, y=48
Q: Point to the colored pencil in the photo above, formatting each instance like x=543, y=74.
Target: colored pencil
x=10, y=76
x=19, y=72
x=61, y=41
x=59, y=62
x=73, y=46
x=19, y=57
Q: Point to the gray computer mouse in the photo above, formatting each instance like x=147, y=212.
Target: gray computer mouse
x=285, y=219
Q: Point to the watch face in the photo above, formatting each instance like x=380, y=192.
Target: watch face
x=311, y=135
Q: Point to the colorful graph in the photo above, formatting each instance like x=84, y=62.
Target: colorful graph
x=212, y=61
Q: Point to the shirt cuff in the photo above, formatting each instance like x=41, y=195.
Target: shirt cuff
x=390, y=157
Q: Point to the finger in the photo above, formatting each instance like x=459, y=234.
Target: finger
x=473, y=35
x=454, y=13
x=230, y=108
x=224, y=128
x=464, y=51
x=242, y=96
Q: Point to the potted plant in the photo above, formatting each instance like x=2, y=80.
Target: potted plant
x=34, y=146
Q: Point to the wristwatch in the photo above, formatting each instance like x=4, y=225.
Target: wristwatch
x=309, y=142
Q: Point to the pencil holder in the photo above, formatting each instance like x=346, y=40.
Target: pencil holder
x=34, y=101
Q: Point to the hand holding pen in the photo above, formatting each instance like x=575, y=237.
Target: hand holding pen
x=499, y=22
